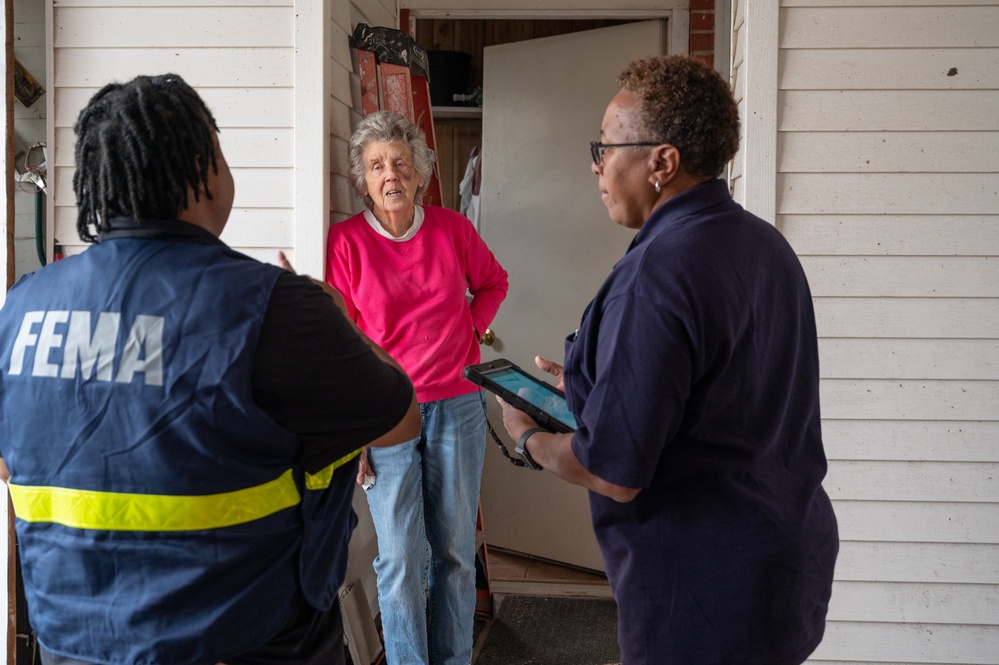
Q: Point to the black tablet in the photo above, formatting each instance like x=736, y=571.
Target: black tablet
x=533, y=396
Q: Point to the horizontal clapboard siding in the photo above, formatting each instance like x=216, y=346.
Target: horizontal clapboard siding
x=912, y=602
x=901, y=68
x=914, y=359
x=911, y=440
x=128, y=4
x=892, y=235
x=894, y=399
x=236, y=68
x=887, y=172
x=245, y=147
x=914, y=522
x=885, y=3
x=903, y=276
x=263, y=109
x=913, y=481
x=881, y=110
x=873, y=24
x=905, y=643
x=240, y=56
x=255, y=188
x=888, y=152
x=178, y=26
x=891, y=193
x=967, y=318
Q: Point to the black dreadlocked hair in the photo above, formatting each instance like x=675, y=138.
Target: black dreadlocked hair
x=139, y=146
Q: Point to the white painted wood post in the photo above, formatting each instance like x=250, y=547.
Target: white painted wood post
x=312, y=135
x=759, y=150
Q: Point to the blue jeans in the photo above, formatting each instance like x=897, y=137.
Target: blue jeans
x=424, y=505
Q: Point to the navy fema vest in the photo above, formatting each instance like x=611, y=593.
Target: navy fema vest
x=159, y=510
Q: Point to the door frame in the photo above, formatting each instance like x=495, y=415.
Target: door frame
x=677, y=18
x=677, y=15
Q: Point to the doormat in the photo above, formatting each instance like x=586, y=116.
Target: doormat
x=538, y=630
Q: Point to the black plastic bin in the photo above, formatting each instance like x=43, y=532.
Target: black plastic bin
x=449, y=75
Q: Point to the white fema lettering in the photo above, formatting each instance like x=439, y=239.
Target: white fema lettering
x=93, y=354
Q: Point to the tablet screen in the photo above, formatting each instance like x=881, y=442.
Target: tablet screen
x=535, y=393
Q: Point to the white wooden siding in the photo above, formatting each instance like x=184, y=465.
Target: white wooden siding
x=916, y=440
x=943, y=359
x=240, y=56
x=887, y=136
x=874, y=523
x=879, y=110
x=893, y=235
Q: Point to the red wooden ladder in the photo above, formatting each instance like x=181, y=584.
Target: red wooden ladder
x=394, y=77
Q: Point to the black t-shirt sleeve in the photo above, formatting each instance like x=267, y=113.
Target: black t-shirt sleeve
x=315, y=376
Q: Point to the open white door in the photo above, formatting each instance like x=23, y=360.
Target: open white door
x=542, y=217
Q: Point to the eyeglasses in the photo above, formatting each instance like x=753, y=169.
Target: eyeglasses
x=597, y=149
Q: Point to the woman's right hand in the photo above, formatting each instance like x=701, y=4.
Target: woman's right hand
x=330, y=291
x=552, y=368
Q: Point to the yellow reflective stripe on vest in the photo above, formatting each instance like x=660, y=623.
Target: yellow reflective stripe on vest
x=322, y=480
x=114, y=511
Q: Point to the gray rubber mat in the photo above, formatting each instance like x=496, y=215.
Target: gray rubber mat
x=537, y=630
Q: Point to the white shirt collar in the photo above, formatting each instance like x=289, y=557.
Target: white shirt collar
x=417, y=223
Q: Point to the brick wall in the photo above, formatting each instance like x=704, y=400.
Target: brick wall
x=702, y=30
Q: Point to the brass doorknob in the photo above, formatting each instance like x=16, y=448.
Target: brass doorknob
x=488, y=337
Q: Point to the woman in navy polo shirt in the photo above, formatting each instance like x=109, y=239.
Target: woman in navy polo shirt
x=694, y=378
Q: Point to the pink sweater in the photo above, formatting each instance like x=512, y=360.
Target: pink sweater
x=409, y=297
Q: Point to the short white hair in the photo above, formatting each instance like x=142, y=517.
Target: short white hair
x=389, y=127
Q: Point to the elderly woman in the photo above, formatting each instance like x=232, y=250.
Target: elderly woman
x=405, y=272
x=694, y=379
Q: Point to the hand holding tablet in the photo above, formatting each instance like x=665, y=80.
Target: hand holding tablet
x=538, y=399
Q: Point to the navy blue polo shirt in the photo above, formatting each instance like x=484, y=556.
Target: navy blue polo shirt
x=694, y=376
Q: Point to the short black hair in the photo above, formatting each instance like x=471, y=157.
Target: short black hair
x=686, y=103
x=139, y=146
